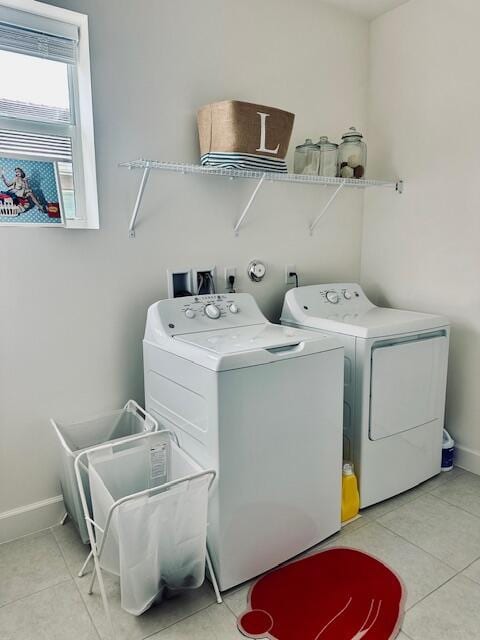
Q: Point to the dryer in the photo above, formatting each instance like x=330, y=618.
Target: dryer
x=395, y=379
x=261, y=404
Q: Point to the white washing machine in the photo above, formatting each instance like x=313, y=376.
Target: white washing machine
x=395, y=378
x=261, y=404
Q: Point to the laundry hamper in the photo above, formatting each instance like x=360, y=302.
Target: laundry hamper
x=76, y=437
x=150, y=503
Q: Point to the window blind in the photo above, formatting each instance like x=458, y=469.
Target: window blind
x=29, y=111
x=25, y=144
x=22, y=32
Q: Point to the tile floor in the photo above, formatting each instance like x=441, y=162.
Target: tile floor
x=430, y=536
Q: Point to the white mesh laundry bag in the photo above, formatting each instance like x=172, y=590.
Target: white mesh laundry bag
x=157, y=540
x=78, y=436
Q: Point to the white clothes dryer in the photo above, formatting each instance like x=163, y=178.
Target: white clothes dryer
x=261, y=404
x=395, y=379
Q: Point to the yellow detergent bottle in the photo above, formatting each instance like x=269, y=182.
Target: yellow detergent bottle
x=350, y=496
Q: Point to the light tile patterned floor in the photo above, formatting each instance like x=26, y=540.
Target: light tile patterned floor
x=430, y=536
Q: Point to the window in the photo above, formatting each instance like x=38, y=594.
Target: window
x=45, y=100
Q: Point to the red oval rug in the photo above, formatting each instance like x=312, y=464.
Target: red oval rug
x=337, y=594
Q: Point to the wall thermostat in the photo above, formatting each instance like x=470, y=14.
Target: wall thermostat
x=256, y=270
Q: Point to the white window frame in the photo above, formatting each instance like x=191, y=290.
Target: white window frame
x=83, y=145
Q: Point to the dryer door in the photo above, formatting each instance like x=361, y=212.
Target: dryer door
x=407, y=385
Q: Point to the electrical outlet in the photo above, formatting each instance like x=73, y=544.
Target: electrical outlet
x=290, y=268
x=229, y=271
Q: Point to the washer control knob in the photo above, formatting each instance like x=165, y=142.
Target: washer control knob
x=212, y=311
x=332, y=296
x=347, y=295
x=190, y=313
x=233, y=308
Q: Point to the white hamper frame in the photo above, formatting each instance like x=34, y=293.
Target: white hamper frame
x=151, y=425
x=96, y=551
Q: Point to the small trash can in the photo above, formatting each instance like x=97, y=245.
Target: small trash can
x=76, y=437
x=150, y=499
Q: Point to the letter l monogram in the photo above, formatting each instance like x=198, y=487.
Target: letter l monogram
x=263, y=117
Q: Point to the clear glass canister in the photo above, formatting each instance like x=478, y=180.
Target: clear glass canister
x=328, y=157
x=352, y=155
x=307, y=158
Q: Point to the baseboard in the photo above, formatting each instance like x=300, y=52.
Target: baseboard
x=46, y=513
x=468, y=459
x=30, y=518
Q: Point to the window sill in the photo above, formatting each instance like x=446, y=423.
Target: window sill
x=81, y=224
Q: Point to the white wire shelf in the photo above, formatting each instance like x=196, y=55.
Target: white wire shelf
x=261, y=177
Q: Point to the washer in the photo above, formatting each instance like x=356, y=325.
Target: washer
x=261, y=404
x=395, y=378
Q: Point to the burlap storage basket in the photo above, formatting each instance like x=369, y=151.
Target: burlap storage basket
x=242, y=135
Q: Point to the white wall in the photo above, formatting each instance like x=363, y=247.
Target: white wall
x=74, y=302
x=420, y=250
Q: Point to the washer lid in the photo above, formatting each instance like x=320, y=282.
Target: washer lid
x=237, y=335
x=235, y=348
x=252, y=338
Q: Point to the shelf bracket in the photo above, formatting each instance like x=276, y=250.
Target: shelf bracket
x=249, y=204
x=138, y=201
x=326, y=207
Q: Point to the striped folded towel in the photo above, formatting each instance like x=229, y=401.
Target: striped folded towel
x=245, y=161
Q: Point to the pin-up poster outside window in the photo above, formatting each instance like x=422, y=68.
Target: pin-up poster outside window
x=30, y=193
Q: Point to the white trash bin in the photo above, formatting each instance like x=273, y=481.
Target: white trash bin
x=75, y=438
x=150, y=504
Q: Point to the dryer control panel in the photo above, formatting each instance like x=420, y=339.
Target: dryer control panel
x=343, y=302
x=322, y=299
x=334, y=294
x=176, y=316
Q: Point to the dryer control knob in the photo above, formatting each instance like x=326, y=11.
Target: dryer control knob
x=233, y=308
x=332, y=296
x=347, y=295
x=190, y=313
x=212, y=311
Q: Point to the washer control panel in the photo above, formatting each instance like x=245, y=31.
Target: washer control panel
x=207, y=312
x=213, y=307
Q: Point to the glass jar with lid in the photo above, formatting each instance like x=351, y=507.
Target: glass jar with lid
x=328, y=157
x=307, y=158
x=352, y=155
